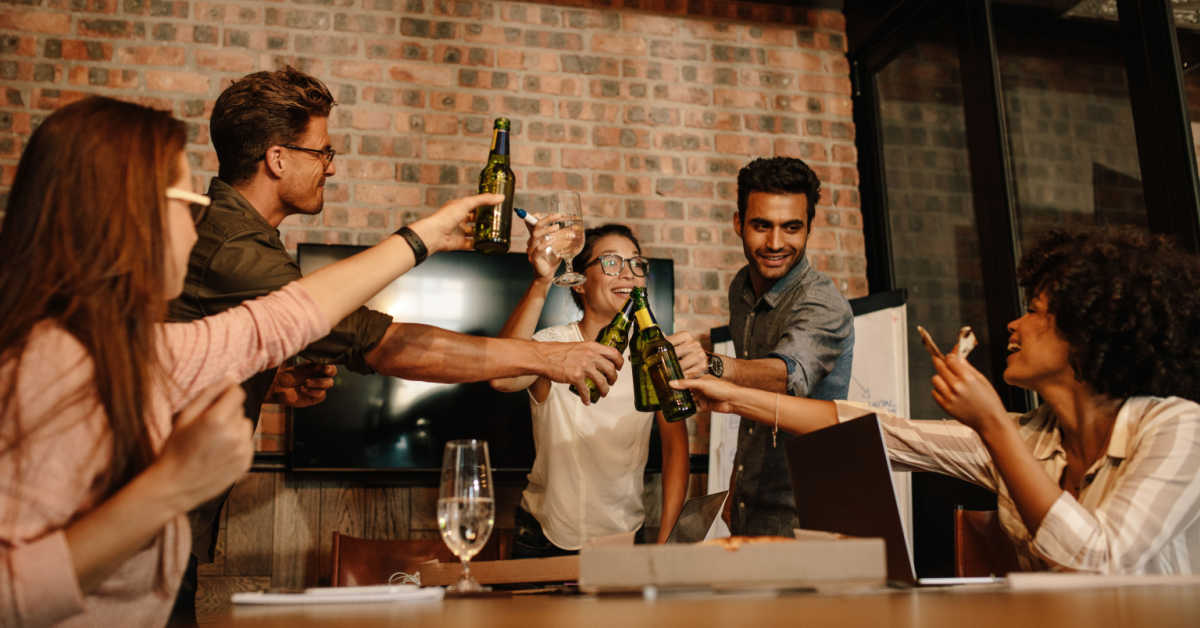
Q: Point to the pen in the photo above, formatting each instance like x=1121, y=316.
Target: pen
x=529, y=218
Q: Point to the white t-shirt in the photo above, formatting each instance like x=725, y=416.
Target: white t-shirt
x=586, y=480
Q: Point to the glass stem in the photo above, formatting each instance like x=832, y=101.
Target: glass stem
x=466, y=574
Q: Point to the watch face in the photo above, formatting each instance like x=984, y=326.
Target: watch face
x=715, y=366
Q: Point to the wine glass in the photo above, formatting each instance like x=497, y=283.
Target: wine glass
x=466, y=510
x=568, y=241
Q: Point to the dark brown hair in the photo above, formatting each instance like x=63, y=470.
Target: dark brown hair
x=262, y=110
x=1127, y=303
x=589, y=242
x=778, y=175
x=84, y=242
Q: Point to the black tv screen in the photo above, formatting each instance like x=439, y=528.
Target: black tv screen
x=376, y=422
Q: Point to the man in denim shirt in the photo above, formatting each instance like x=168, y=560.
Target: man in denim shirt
x=792, y=328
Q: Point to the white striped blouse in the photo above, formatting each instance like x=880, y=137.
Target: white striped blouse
x=1138, y=511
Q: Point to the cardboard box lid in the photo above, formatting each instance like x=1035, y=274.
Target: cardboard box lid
x=556, y=569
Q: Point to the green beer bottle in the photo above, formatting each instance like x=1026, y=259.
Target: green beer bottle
x=644, y=398
x=493, y=224
x=660, y=361
x=616, y=335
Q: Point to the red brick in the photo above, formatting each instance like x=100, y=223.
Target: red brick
x=226, y=61
x=25, y=46
x=367, y=120
x=590, y=159
x=101, y=77
x=771, y=35
x=77, y=50
x=739, y=98
x=489, y=34
x=359, y=70
x=673, y=141
x=812, y=152
x=832, y=20
x=461, y=102
x=657, y=164
x=119, y=29
x=796, y=60
x=227, y=13
x=463, y=8
x=421, y=74
x=589, y=111
x=713, y=166
x=33, y=21
x=387, y=194
x=651, y=24
x=845, y=153
x=55, y=98
x=88, y=6
x=455, y=150
x=683, y=94
x=433, y=124
x=618, y=44
x=294, y=18
x=621, y=184
x=672, y=187
x=148, y=55
x=341, y=45
x=623, y=137
x=720, y=259
x=552, y=84
x=712, y=119
x=743, y=144
x=464, y=55
x=716, y=31
x=655, y=70
x=187, y=82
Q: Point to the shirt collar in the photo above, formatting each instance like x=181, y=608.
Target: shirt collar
x=785, y=283
x=1050, y=443
x=226, y=196
x=1118, y=441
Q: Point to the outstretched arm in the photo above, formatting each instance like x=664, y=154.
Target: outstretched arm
x=675, y=472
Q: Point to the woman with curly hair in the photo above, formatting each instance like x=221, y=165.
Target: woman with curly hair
x=1105, y=475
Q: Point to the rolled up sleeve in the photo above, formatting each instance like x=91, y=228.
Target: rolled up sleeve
x=816, y=336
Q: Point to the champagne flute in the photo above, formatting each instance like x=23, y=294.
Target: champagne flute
x=466, y=510
x=568, y=241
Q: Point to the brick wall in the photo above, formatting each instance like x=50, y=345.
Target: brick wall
x=646, y=107
x=648, y=114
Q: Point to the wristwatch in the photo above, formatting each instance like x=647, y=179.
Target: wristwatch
x=716, y=366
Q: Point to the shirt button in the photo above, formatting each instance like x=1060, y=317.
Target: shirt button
x=740, y=467
x=741, y=505
x=750, y=430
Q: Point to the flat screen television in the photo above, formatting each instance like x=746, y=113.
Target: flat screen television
x=381, y=423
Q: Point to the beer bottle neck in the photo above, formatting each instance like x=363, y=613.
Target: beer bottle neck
x=499, y=152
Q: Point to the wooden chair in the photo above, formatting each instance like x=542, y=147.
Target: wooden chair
x=361, y=562
x=981, y=548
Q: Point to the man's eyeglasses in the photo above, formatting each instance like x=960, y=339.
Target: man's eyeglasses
x=197, y=203
x=325, y=154
x=610, y=264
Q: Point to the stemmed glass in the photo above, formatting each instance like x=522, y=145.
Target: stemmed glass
x=568, y=241
x=466, y=510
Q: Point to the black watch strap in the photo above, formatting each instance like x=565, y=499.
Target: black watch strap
x=420, y=252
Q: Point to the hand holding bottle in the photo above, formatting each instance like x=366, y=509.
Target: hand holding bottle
x=448, y=228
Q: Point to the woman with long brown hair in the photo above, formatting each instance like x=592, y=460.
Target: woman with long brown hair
x=114, y=424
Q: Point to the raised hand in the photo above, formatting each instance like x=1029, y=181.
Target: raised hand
x=210, y=447
x=541, y=254
x=302, y=385
x=964, y=393
x=577, y=362
x=692, y=358
x=449, y=228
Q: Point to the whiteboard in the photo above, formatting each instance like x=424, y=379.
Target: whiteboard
x=878, y=377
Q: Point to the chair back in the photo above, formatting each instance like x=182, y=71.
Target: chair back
x=362, y=562
x=981, y=547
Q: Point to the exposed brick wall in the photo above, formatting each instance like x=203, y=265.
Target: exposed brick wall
x=647, y=113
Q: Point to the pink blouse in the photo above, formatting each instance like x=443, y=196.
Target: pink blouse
x=58, y=473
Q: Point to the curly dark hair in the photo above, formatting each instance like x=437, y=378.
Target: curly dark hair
x=589, y=242
x=262, y=110
x=778, y=175
x=1127, y=303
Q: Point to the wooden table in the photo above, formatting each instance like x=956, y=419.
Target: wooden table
x=1157, y=607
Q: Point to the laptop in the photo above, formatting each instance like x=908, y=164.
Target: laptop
x=696, y=517
x=842, y=482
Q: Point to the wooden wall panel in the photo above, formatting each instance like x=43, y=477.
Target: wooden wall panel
x=250, y=526
x=296, y=526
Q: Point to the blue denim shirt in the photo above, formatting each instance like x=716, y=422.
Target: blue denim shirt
x=805, y=321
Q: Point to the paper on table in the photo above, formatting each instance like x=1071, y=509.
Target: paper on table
x=1049, y=581
x=344, y=595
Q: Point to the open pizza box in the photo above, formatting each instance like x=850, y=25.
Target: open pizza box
x=520, y=571
x=814, y=560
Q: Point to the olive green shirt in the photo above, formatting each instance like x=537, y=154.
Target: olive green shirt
x=239, y=256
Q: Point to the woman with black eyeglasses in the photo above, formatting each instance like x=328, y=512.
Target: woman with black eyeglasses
x=586, y=480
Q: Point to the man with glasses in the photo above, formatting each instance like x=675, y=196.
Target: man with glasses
x=270, y=132
x=792, y=329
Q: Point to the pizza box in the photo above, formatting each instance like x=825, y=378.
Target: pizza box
x=520, y=571
x=814, y=562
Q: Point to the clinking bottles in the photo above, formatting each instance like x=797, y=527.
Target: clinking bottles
x=644, y=398
x=661, y=364
x=493, y=224
x=615, y=335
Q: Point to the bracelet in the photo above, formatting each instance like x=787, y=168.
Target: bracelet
x=420, y=252
x=775, y=432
